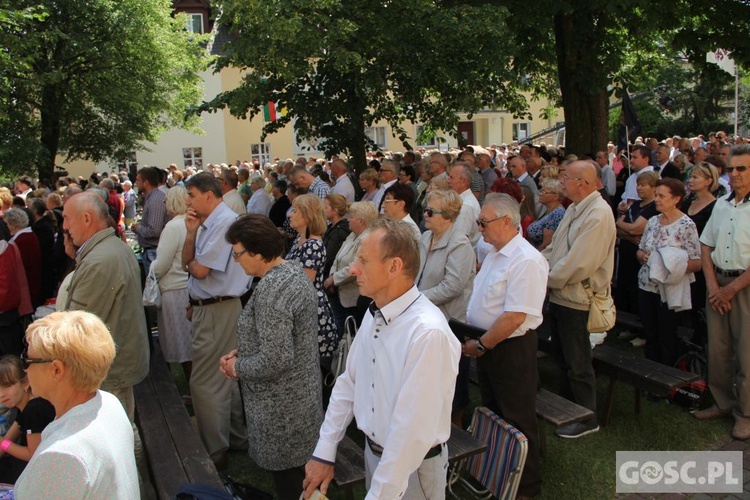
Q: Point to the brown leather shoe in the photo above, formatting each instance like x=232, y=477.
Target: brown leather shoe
x=711, y=413
x=741, y=428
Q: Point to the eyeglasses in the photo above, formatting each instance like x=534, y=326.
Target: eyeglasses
x=431, y=212
x=389, y=200
x=26, y=361
x=386, y=170
x=237, y=255
x=740, y=169
x=566, y=178
x=483, y=223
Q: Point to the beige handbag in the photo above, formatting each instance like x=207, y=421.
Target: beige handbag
x=602, y=312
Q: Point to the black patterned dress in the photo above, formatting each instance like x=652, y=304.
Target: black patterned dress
x=312, y=255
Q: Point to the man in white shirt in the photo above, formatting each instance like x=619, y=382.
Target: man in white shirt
x=229, y=181
x=399, y=379
x=608, y=175
x=459, y=180
x=260, y=202
x=24, y=187
x=640, y=161
x=387, y=176
x=507, y=302
x=343, y=185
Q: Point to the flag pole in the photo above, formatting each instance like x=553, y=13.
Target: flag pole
x=736, y=97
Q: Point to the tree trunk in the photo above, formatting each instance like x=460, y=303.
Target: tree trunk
x=584, y=93
x=50, y=114
x=356, y=147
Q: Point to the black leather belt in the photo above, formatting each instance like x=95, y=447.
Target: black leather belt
x=208, y=302
x=432, y=452
x=728, y=273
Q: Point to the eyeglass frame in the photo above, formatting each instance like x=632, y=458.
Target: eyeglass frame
x=431, y=212
x=236, y=255
x=483, y=223
x=740, y=169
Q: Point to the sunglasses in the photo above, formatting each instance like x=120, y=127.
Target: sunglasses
x=430, y=212
x=483, y=223
x=26, y=361
x=740, y=169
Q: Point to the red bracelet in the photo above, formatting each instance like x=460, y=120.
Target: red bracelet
x=5, y=444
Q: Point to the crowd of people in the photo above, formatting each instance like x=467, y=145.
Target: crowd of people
x=260, y=265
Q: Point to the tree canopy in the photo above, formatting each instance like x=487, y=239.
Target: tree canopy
x=92, y=78
x=338, y=66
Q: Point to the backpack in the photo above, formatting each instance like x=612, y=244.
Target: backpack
x=693, y=395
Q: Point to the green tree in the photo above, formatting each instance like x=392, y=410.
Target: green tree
x=594, y=39
x=338, y=66
x=94, y=78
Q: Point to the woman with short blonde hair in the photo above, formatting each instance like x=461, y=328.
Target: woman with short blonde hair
x=90, y=443
x=368, y=180
x=307, y=217
x=450, y=202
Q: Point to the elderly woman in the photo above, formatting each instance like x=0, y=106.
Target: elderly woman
x=397, y=203
x=174, y=328
x=368, y=180
x=276, y=360
x=308, y=220
x=334, y=208
x=670, y=229
x=87, y=451
x=541, y=230
x=28, y=245
x=447, y=273
x=342, y=286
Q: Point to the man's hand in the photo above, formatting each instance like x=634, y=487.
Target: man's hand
x=721, y=299
x=192, y=221
x=317, y=475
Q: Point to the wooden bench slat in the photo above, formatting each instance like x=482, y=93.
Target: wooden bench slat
x=168, y=474
x=559, y=411
x=197, y=464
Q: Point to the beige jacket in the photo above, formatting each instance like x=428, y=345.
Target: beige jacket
x=583, y=247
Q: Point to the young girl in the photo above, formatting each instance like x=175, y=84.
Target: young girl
x=23, y=437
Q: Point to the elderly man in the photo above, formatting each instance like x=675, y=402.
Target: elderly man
x=507, y=301
x=582, y=250
x=154, y=216
x=399, y=378
x=725, y=249
x=666, y=167
x=459, y=180
x=437, y=165
x=107, y=282
x=229, y=181
x=344, y=186
x=215, y=284
x=243, y=177
x=260, y=202
x=302, y=179
x=608, y=175
x=387, y=177
x=484, y=163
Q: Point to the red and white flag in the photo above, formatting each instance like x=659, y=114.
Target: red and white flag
x=721, y=58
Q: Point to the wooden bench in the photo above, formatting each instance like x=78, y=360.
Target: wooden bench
x=558, y=411
x=350, y=457
x=643, y=374
x=175, y=453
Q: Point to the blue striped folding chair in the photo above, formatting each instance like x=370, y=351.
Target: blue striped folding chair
x=499, y=469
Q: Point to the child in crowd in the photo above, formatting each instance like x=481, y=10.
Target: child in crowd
x=24, y=436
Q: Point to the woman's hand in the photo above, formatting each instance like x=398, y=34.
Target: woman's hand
x=227, y=365
x=328, y=285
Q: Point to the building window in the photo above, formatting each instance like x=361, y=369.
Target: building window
x=425, y=137
x=194, y=22
x=192, y=157
x=521, y=131
x=261, y=152
x=127, y=162
x=377, y=136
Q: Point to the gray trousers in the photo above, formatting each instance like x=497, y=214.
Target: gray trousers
x=426, y=483
x=216, y=400
x=729, y=353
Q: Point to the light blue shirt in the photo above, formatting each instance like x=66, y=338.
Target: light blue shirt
x=226, y=278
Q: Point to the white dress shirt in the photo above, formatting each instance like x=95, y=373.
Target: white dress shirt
x=259, y=203
x=630, y=192
x=467, y=217
x=344, y=187
x=513, y=279
x=399, y=382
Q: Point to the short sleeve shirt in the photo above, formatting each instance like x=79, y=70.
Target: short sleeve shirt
x=728, y=233
x=37, y=414
x=682, y=233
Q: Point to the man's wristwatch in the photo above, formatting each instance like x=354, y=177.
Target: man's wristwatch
x=480, y=347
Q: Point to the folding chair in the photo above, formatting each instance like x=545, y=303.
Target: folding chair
x=499, y=469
